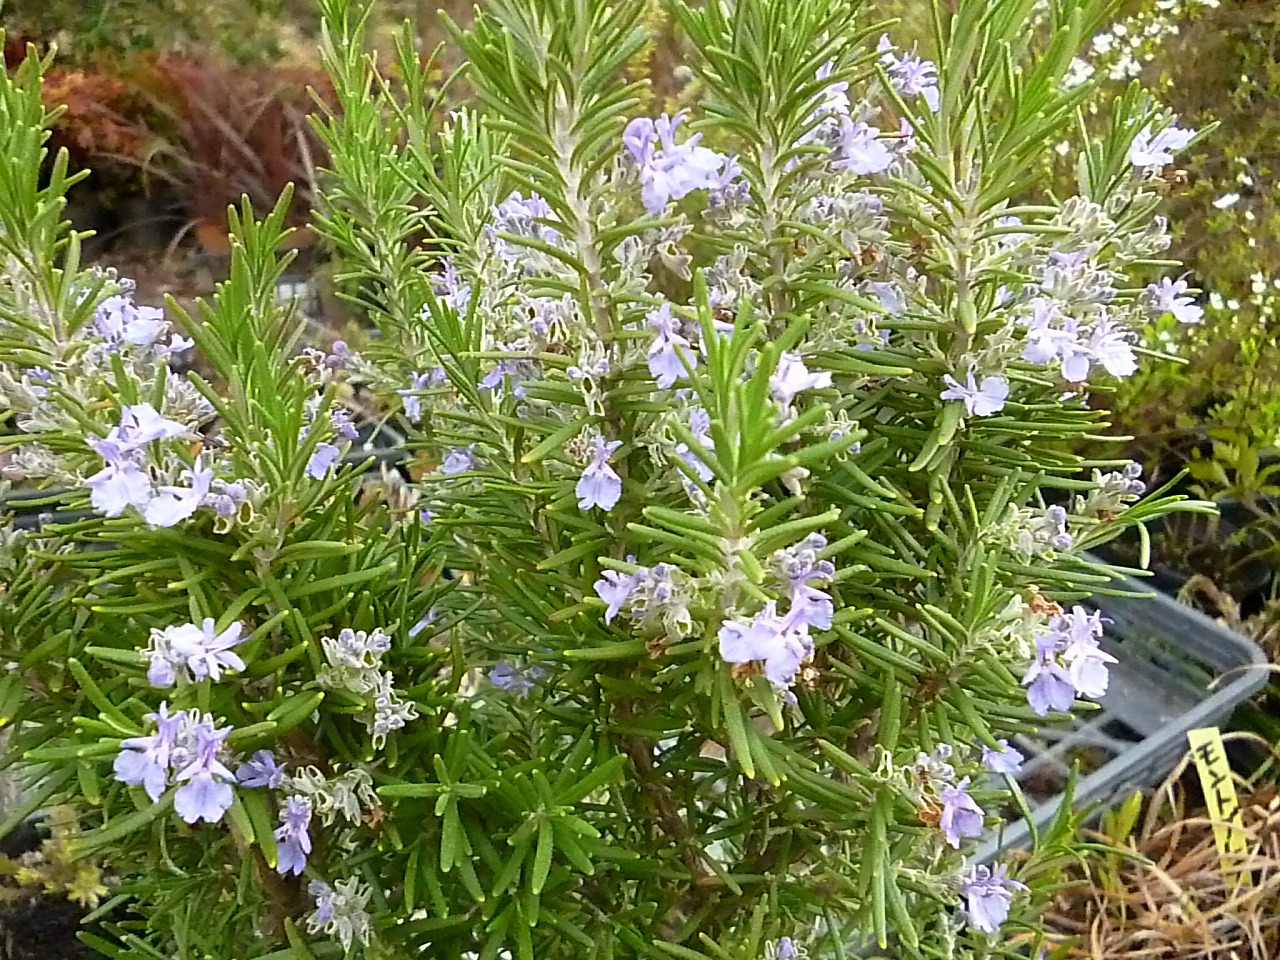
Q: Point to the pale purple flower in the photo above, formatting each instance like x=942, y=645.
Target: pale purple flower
x=119, y=483
x=343, y=425
x=700, y=427
x=979, y=401
x=835, y=96
x=600, y=485
x=260, y=770
x=141, y=423
x=200, y=649
x=177, y=344
x=165, y=658
x=119, y=320
x=1049, y=334
x=1054, y=528
x=1048, y=683
x=325, y=455
x=1089, y=673
x=799, y=565
x=1006, y=760
x=782, y=644
x=123, y=482
x=1010, y=239
x=510, y=679
x=514, y=372
x=458, y=460
x=1079, y=632
x=1076, y=360
x=228, y=497
x=453, y=291
x=144, y=761
x=961, y=816
x=425, y=621
x=293, y=841
x=521, y=218
x=494, y=377
x=786, y=949
x=890, y=296
x=910, y=75
x=171, y=505
x=1066, y=263
x=339, y=356
x=215, y=654
x=614, y=587
x=988, y=895
x=811, y=606
x=1148, y=151
x=117, y=487
x=515, y=214
x=162, y=672
x=323, y=895
x=36, y=378
x=638, y=139
x=905, y=142
x=667, y=349
x=726, y=187
x=791, y=376
x=409, y=398
x=1167, y=296
x=1109, y=344
x=206, y=792
x=859, y=148
x=1072, y=277
x=674, y=170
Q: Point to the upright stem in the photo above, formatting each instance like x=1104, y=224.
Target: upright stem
x=769, y=224
x=595, y=302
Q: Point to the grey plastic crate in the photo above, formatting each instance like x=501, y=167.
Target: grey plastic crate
x=1178, y=670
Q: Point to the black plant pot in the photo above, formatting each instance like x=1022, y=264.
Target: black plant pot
x=33, y=925
x=1230, y=550
x=38, y=927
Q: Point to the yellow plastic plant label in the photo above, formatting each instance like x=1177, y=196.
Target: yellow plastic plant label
x=1220, y=796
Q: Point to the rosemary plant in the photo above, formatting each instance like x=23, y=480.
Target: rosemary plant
x=745, y=534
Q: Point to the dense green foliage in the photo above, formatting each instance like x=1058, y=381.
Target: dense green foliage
x=540, y=702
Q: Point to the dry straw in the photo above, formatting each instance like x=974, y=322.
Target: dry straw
x=1160, y=893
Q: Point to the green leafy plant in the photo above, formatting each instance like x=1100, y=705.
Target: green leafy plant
x=744, y=528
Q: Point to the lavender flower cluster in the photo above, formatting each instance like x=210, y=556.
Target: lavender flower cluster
x=188, y=750
x=781, y=644
x=184, y=749
x=1069, y=662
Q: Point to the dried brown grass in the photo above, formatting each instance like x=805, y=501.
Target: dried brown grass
x=1161, y=893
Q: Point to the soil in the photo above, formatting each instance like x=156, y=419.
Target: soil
x=34, y=926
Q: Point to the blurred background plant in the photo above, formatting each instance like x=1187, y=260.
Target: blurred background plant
x=1218, y=412
x=228, y=132
x=1213, y=413
x=87, y=30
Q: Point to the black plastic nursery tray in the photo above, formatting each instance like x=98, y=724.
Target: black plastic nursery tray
x=1178, y=670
